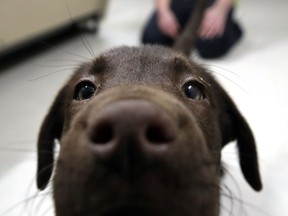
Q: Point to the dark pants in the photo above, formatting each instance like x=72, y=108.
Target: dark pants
x=207, y=48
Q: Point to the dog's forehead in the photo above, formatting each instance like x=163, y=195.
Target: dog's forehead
x=143, y=64
x=148, y=58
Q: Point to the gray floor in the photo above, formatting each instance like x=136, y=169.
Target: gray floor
x=255, y=74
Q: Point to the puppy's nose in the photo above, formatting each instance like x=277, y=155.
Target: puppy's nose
x=131, y=130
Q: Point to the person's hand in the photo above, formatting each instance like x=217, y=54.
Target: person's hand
x=213, y=23
x=168, y=23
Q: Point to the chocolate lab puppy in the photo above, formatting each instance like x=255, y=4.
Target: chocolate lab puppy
x=141, y=132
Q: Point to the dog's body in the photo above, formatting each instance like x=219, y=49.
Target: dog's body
x=141, y=131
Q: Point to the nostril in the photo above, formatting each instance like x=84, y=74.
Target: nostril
x=102, y=133
x=159, y=134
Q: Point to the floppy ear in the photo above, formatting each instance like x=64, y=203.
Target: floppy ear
x=235, y=127
x=51, y=129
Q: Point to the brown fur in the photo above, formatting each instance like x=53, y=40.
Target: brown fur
x=142, y=143
x=174, y=171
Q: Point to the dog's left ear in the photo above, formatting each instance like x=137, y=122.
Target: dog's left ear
x=50, y=130
x=234, y=127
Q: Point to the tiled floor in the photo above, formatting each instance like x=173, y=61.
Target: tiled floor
x=255, y=74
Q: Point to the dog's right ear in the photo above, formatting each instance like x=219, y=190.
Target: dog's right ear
x=51, y=130
x=235, y=127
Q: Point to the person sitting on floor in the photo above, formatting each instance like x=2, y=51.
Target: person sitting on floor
x=218, y=32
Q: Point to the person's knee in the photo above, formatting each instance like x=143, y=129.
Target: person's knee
x=154, y=36
x=218, y=47
x=145, y=38
x=212, y=50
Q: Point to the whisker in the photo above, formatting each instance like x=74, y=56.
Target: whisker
x=250, y=205
x=35, y=206
x=88, y=46
x=9, y=149
x=21, y=203
x=65, y=51
x=238, y=190
x=231, y=81
x=31, y=210
x=55, y=72
x=84, y=40
x=239, y=198
x=39, y=204
x=66, y=60
x=47, y=210
x=219, y=67
x=56, y=66
x=230, y=195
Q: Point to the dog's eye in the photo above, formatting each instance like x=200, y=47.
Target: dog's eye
x=84, y=90
x=193, y=90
